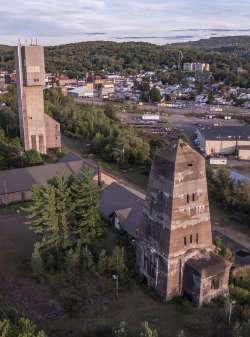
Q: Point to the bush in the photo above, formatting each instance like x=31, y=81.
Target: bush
x=241, y=295
x=32, y=158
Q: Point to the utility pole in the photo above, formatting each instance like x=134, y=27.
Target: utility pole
x=116, y=279
x=231, y=303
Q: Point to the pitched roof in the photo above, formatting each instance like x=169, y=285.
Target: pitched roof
x=127, y=205
x=23, y=179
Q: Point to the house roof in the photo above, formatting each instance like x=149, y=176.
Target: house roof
x=125, y=204
x=23, y=179
x=226, y=133
x=208, y=265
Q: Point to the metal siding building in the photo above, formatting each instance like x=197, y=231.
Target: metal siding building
x=223, y=139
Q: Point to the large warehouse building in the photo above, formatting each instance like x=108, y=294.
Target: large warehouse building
x=227, y=140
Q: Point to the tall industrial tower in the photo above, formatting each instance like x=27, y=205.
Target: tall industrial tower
x=174, y=248
x=38, y=131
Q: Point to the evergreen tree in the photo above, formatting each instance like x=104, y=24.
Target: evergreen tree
x=102, y=262
x=87, y=221
x=146, y=331
x=72, y=262
x=5, y=328
x=87, y=260
x=63, y=209
x=43, y=218
x=37, y=261
x=50, y=214
x=116, y=262
x=22, y=328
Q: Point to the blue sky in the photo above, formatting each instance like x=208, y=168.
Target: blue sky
x=59, y=21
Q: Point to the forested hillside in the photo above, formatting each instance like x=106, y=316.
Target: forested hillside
x=224, y=54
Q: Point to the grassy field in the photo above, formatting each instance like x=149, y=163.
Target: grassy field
x=135, y=304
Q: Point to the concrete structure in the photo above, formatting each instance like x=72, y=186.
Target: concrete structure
x=32, y=119
x=174, y=248
x=223, y=139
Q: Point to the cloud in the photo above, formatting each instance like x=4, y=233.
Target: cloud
x=57, y=21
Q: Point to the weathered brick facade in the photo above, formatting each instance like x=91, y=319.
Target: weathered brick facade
x=176, y=223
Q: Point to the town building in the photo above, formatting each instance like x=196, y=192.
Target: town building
x=196, y=67
x=85, y=91
x=224, y=140
x=38, y=131
x=175, y=253
x=244, y=152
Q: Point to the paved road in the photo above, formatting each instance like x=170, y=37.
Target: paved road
x=76, y=147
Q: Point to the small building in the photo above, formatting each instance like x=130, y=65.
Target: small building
x=223, y=139
x=86, y=91
x=206, y=277
x=122, y=208
x=244, y=152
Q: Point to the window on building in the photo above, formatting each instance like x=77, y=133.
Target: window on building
x=215, y=282
x=185, y=241
x=193, y=197
x=190, y=164
x=188, y=198
x=191, y=238
x=197, y=238
x=41, y=143
x=33, y=142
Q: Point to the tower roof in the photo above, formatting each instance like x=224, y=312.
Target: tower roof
x=177, y=147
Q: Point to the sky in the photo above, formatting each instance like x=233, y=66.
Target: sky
x=158, y=21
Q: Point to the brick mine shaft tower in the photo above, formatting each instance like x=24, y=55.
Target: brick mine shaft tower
x=174, y=247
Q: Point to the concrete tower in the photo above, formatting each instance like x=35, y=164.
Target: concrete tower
x=176, y=225
x=37, y=130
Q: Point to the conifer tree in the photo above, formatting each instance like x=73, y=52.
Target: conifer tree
x=87, y=221
x=117, y=261
x=43, y=218
x=63, y=209
x=146, y=331
x=102, y=262
x=87, y=260
x=50, y=214
x=5, y=328
x=37, y=261
x=72, y=262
